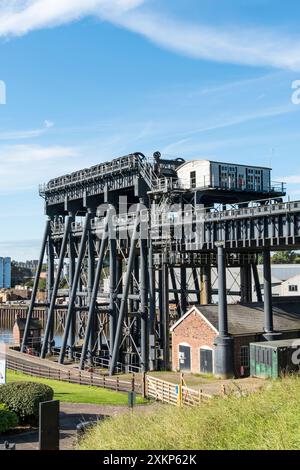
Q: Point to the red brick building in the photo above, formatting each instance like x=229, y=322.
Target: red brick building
x=193, y=335
x=34, y=333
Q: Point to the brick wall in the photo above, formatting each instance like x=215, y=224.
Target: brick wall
x=195, y=332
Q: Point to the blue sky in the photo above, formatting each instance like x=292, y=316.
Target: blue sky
x=89, y=80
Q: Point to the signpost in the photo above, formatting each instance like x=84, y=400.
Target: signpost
x=3, y=363
x=49, y=425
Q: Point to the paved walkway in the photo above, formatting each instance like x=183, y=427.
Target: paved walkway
x=71, y=414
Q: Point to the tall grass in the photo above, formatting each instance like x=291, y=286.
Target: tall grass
x=268, y=419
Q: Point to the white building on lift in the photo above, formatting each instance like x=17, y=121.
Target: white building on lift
x=209, y=174
x=291, y=287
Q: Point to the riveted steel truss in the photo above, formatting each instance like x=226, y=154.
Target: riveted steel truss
x=121, y=280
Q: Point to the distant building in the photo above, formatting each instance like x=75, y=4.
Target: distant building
x=285, y=279
x=34, y=335
x=31, y=265
x=5, y=273
x=291, y=286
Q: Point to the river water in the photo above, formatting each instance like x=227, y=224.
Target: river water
x=6, y=336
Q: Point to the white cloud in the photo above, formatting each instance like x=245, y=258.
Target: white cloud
x=21, y=134
x=27, y=133
x=21, y=16
x=34, y=153
x=186, y=137
x=48, y=124
x=232, y=43
x=26, y=166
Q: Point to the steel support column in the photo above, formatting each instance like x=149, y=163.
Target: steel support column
x=206, y=291
x=91, y=275
x=93, y=300
x=36, y=284
x=196, y=284
x=257, y=283
x=224, y=365
x=112, y=291
x=144, y=284
x=175, y=289
x=56, y=286
x=72, y=267
x=268, y=304
x=75, y=279
x=246, y=283
x=50, y=283
x=123, y=305
x=165, y=323
x=152, y=296
x=152, y=309
x=183, y=293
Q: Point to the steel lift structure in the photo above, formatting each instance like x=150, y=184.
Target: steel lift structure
x=171, y=239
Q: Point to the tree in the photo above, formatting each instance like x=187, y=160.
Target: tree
x=282, y=257
x=19, y=275
x=286, y=257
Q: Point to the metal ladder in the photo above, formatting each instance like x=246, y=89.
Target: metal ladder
x=147, y=172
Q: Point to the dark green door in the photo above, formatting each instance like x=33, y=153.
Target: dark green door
x=206, y=361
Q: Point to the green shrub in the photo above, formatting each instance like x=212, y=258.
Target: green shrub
x=23, y=398
x=8, y=419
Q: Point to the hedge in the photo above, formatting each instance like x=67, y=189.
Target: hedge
x=23, y=398
x=8, y=419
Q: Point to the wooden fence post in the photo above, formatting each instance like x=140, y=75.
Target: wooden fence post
x=144, y=391
x=180, y=398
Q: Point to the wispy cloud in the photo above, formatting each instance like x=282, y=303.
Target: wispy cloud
x=34, y=153
x=18, y=17
x=25, y=166
x=232, y=43
x=48, y=124
x=26, y=133
x=178, y=145
x=235, y=44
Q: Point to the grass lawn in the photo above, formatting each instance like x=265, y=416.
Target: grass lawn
x=266, y=419
x=73, y=393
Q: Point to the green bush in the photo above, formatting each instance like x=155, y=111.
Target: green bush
x=23, y=398
x=8, y=419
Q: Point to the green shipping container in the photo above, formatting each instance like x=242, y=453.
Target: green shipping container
x=274, y=358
